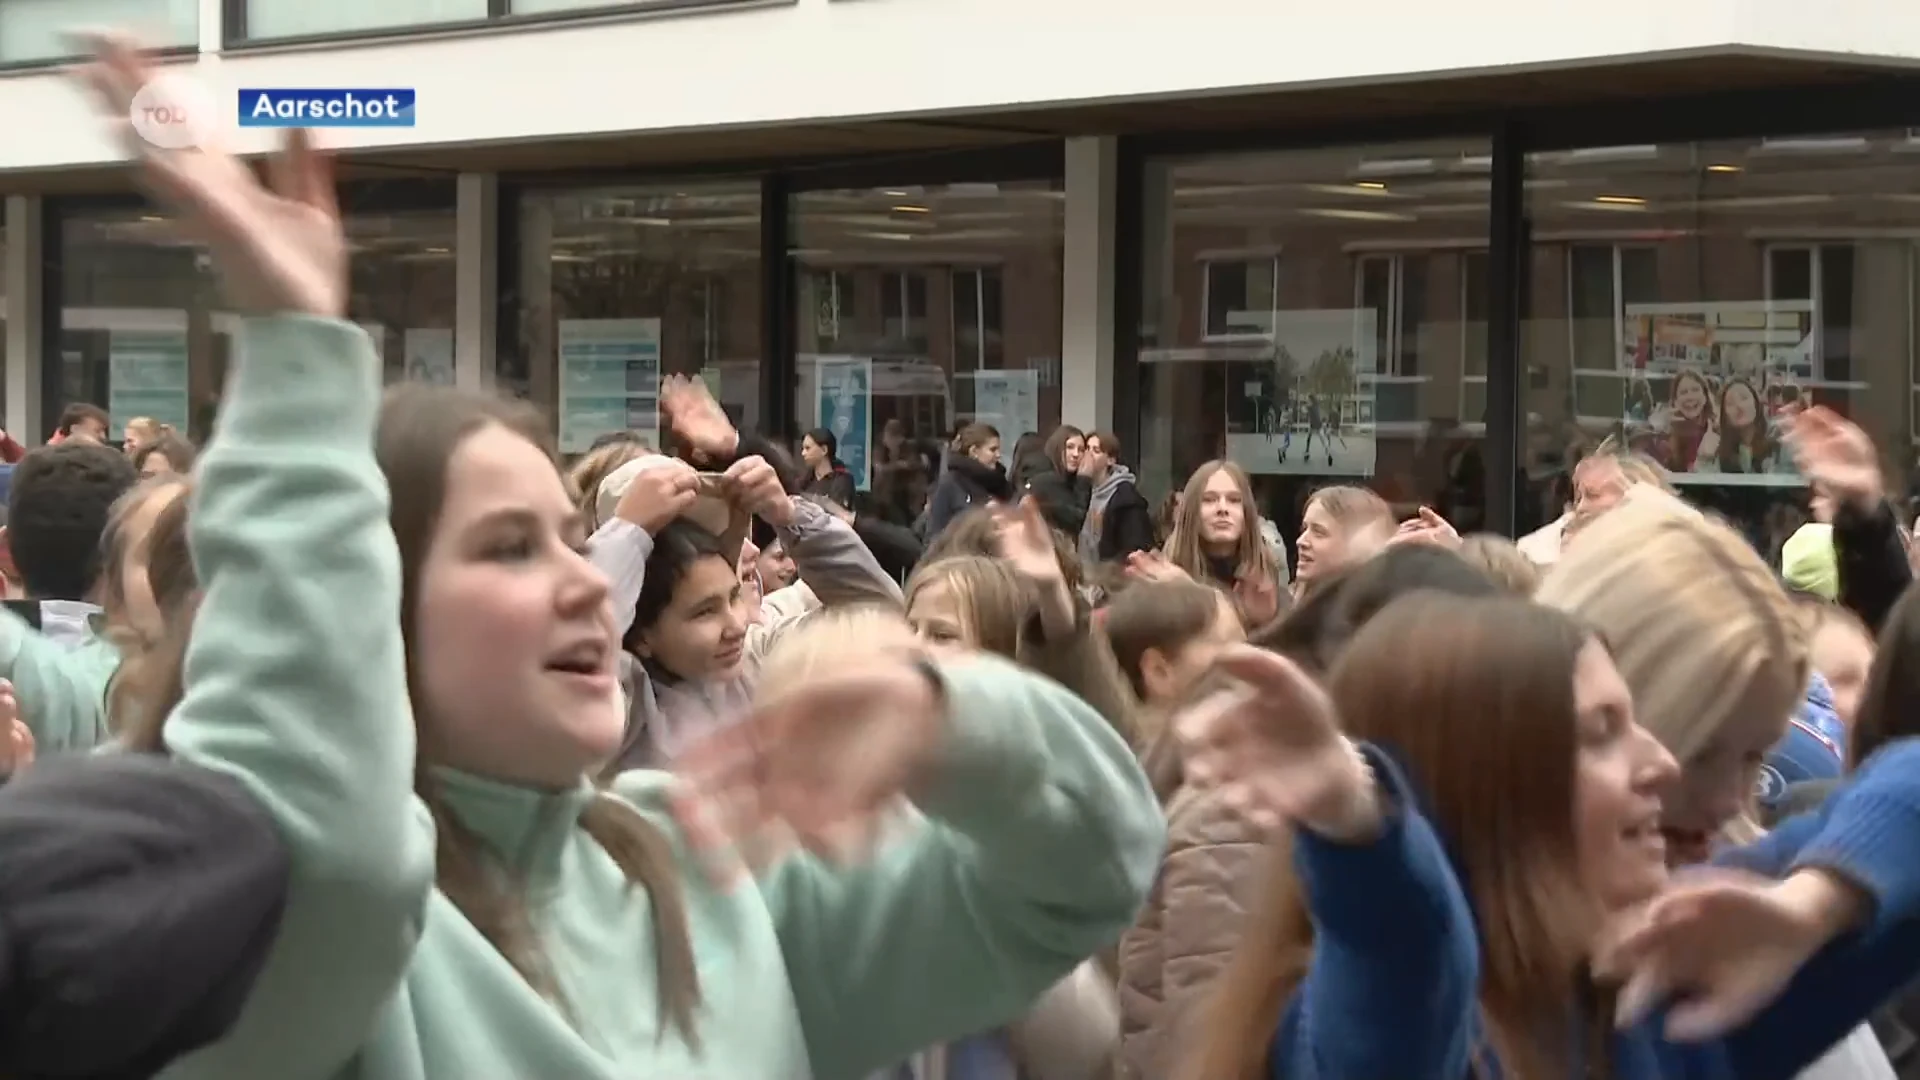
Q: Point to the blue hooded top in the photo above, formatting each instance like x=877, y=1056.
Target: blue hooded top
x=1814, y=748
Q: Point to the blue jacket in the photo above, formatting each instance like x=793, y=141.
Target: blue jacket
x=1392, y=989
x=1814, y=747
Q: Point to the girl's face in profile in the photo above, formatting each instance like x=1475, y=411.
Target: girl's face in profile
x=1619, y=774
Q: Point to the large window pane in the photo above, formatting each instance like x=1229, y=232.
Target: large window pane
x=268, y=19
x=622, y=286
x=947, y=298
x=39, y=29
x=1319, y=317
x=1688, y=297
x=142, y=332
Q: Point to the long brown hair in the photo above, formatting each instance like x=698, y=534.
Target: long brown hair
x=1475, y=696
x=421, y=427
x=1253, y=560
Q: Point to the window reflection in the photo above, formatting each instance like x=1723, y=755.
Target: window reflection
x=949, y=296
x=622, y=286
x=1319, y=317
x=1687, y=298
x=142, y=331
x=42, y=30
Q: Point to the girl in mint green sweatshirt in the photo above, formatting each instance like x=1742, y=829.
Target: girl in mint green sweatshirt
x=416, y=685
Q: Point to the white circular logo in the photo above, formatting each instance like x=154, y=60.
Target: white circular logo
x=173, y=112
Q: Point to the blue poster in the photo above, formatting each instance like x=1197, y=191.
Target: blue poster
x=846, y=409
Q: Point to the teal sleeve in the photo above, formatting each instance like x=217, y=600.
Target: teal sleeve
x=62, y=689
x=296, y=685
x=1039, y=839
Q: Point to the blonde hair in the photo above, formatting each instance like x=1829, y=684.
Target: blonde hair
x=823, y=642
x=1698, y=626
x=992, y=601
x=583, y=480
x=1502, y=560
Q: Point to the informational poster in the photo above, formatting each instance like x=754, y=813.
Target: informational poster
x=1010, y=401
x=147, y=376
x=609, y=380
x=429, y=355
x=1708, y=389
x=846, y=408
x=1306, y=405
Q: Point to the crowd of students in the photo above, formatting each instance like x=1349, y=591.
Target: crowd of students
x=378, y=742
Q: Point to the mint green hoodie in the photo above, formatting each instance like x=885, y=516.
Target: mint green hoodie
x=60, y=674
x=1036, y=845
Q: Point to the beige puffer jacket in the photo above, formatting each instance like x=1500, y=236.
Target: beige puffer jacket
x=1215, y=866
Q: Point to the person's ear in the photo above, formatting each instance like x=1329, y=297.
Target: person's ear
x=1156, y=674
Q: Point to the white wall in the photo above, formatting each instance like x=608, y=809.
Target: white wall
x=842, y=59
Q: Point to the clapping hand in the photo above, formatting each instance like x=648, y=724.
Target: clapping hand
x=1272, y=746
x=278, y=250
x=819, y=764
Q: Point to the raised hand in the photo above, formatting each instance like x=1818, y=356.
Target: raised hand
x=277, y=251
x=1153, y=566
x=1836, y=457
x=658, y=494
x=754, y=486
x=697, y=418
x=1024, y=540
x=1721, y=946
x=1426, y=528
x=819, y=764
x=1273, y=747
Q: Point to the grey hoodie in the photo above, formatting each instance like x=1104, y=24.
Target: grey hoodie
x=1096, y=510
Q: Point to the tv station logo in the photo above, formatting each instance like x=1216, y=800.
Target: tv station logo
x=174, y=112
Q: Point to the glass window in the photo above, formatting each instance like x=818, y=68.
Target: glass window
x=1318, y=317
x=37, y=29
x=1711, y=289
x=142, y=332
x=930, y=306
x=269, y=19
x=623, y=286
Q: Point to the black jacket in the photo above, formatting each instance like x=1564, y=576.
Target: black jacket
x=1126, y=524
x=1063, y=498
x=836, y=485
x=138, y=899
x=965, y=483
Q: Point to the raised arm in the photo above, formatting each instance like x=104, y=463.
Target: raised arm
x=295, y=676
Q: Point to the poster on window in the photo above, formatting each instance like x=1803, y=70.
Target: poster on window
x=1306, y=406
x=429, y=355
x=147, y=376
x=1010, y=401
x=846, y=409
x=609, y=380
x=1708, y=389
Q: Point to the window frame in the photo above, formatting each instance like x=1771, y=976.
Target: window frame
x=234, y=37
x=1208, y=260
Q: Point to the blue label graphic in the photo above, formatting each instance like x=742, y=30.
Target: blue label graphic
x=315, y=108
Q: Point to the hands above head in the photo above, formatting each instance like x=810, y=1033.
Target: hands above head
x=1154, y=566
x=754, y=486
x=659, y=494
x=277, y=250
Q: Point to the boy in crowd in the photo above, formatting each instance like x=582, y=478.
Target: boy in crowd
x=51, y=645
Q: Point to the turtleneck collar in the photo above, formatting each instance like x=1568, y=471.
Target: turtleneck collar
x=527, y=829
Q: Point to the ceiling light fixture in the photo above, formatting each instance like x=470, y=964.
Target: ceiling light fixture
x=1370, y=185
x=910, y=209
x=1620, y=200
x=1723, y=168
